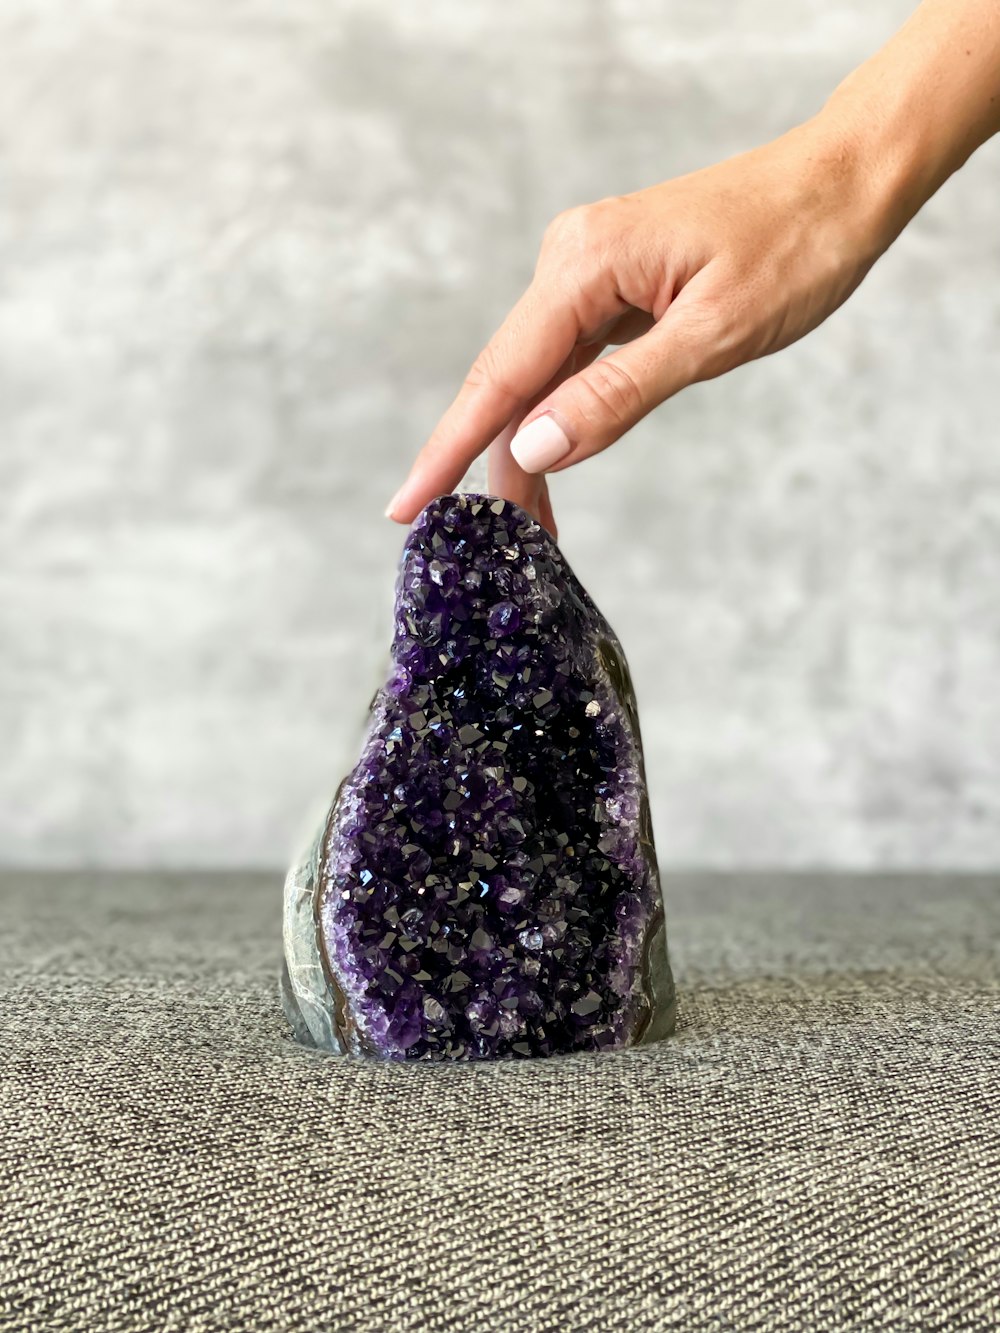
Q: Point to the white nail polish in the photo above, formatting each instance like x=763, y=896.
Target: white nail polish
x=538, y=445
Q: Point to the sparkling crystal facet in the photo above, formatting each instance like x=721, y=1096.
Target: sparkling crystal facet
x=485, y=885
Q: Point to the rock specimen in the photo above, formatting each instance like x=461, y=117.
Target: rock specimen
x=485, y=885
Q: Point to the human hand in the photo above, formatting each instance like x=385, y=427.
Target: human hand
x=696, y=276
x=689, y=278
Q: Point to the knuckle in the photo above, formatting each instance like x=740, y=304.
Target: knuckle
x=584, y=227
x=487, y=372
x=615, y=391
x=564, y=224
x=554, y=226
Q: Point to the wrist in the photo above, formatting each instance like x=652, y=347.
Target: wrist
x=895, y=161
x=914, y=112
x=848, y=188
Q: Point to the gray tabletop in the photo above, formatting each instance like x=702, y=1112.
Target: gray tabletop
x=818, y=1147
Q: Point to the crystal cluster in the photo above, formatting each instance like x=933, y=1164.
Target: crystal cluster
x=485, y=885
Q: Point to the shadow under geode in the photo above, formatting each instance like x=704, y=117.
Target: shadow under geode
x=771, y=1022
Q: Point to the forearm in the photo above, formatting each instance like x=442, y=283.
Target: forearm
x=912, y=114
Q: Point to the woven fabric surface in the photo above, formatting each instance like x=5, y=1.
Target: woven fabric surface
x=818, y=1147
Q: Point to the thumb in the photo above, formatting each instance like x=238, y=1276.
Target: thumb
x=596, y=407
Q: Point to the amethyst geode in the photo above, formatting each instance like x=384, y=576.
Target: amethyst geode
x=485, y=885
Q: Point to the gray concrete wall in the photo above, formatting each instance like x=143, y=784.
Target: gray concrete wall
x=247, y=250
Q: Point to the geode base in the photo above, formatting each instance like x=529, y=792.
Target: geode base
x=485, y=884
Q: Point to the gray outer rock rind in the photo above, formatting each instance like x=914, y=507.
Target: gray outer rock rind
x=312, y=997
x=308, y=996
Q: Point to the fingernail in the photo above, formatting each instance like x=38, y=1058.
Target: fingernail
x=540, y=444
x=390, y=507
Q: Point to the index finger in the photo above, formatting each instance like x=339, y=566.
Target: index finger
x=518, y=361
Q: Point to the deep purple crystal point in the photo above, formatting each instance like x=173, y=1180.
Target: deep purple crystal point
x=486, y=886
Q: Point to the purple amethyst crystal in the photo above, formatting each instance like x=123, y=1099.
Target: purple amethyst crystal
x=485, y=885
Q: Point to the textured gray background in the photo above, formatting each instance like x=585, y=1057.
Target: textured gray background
x=246, y=251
